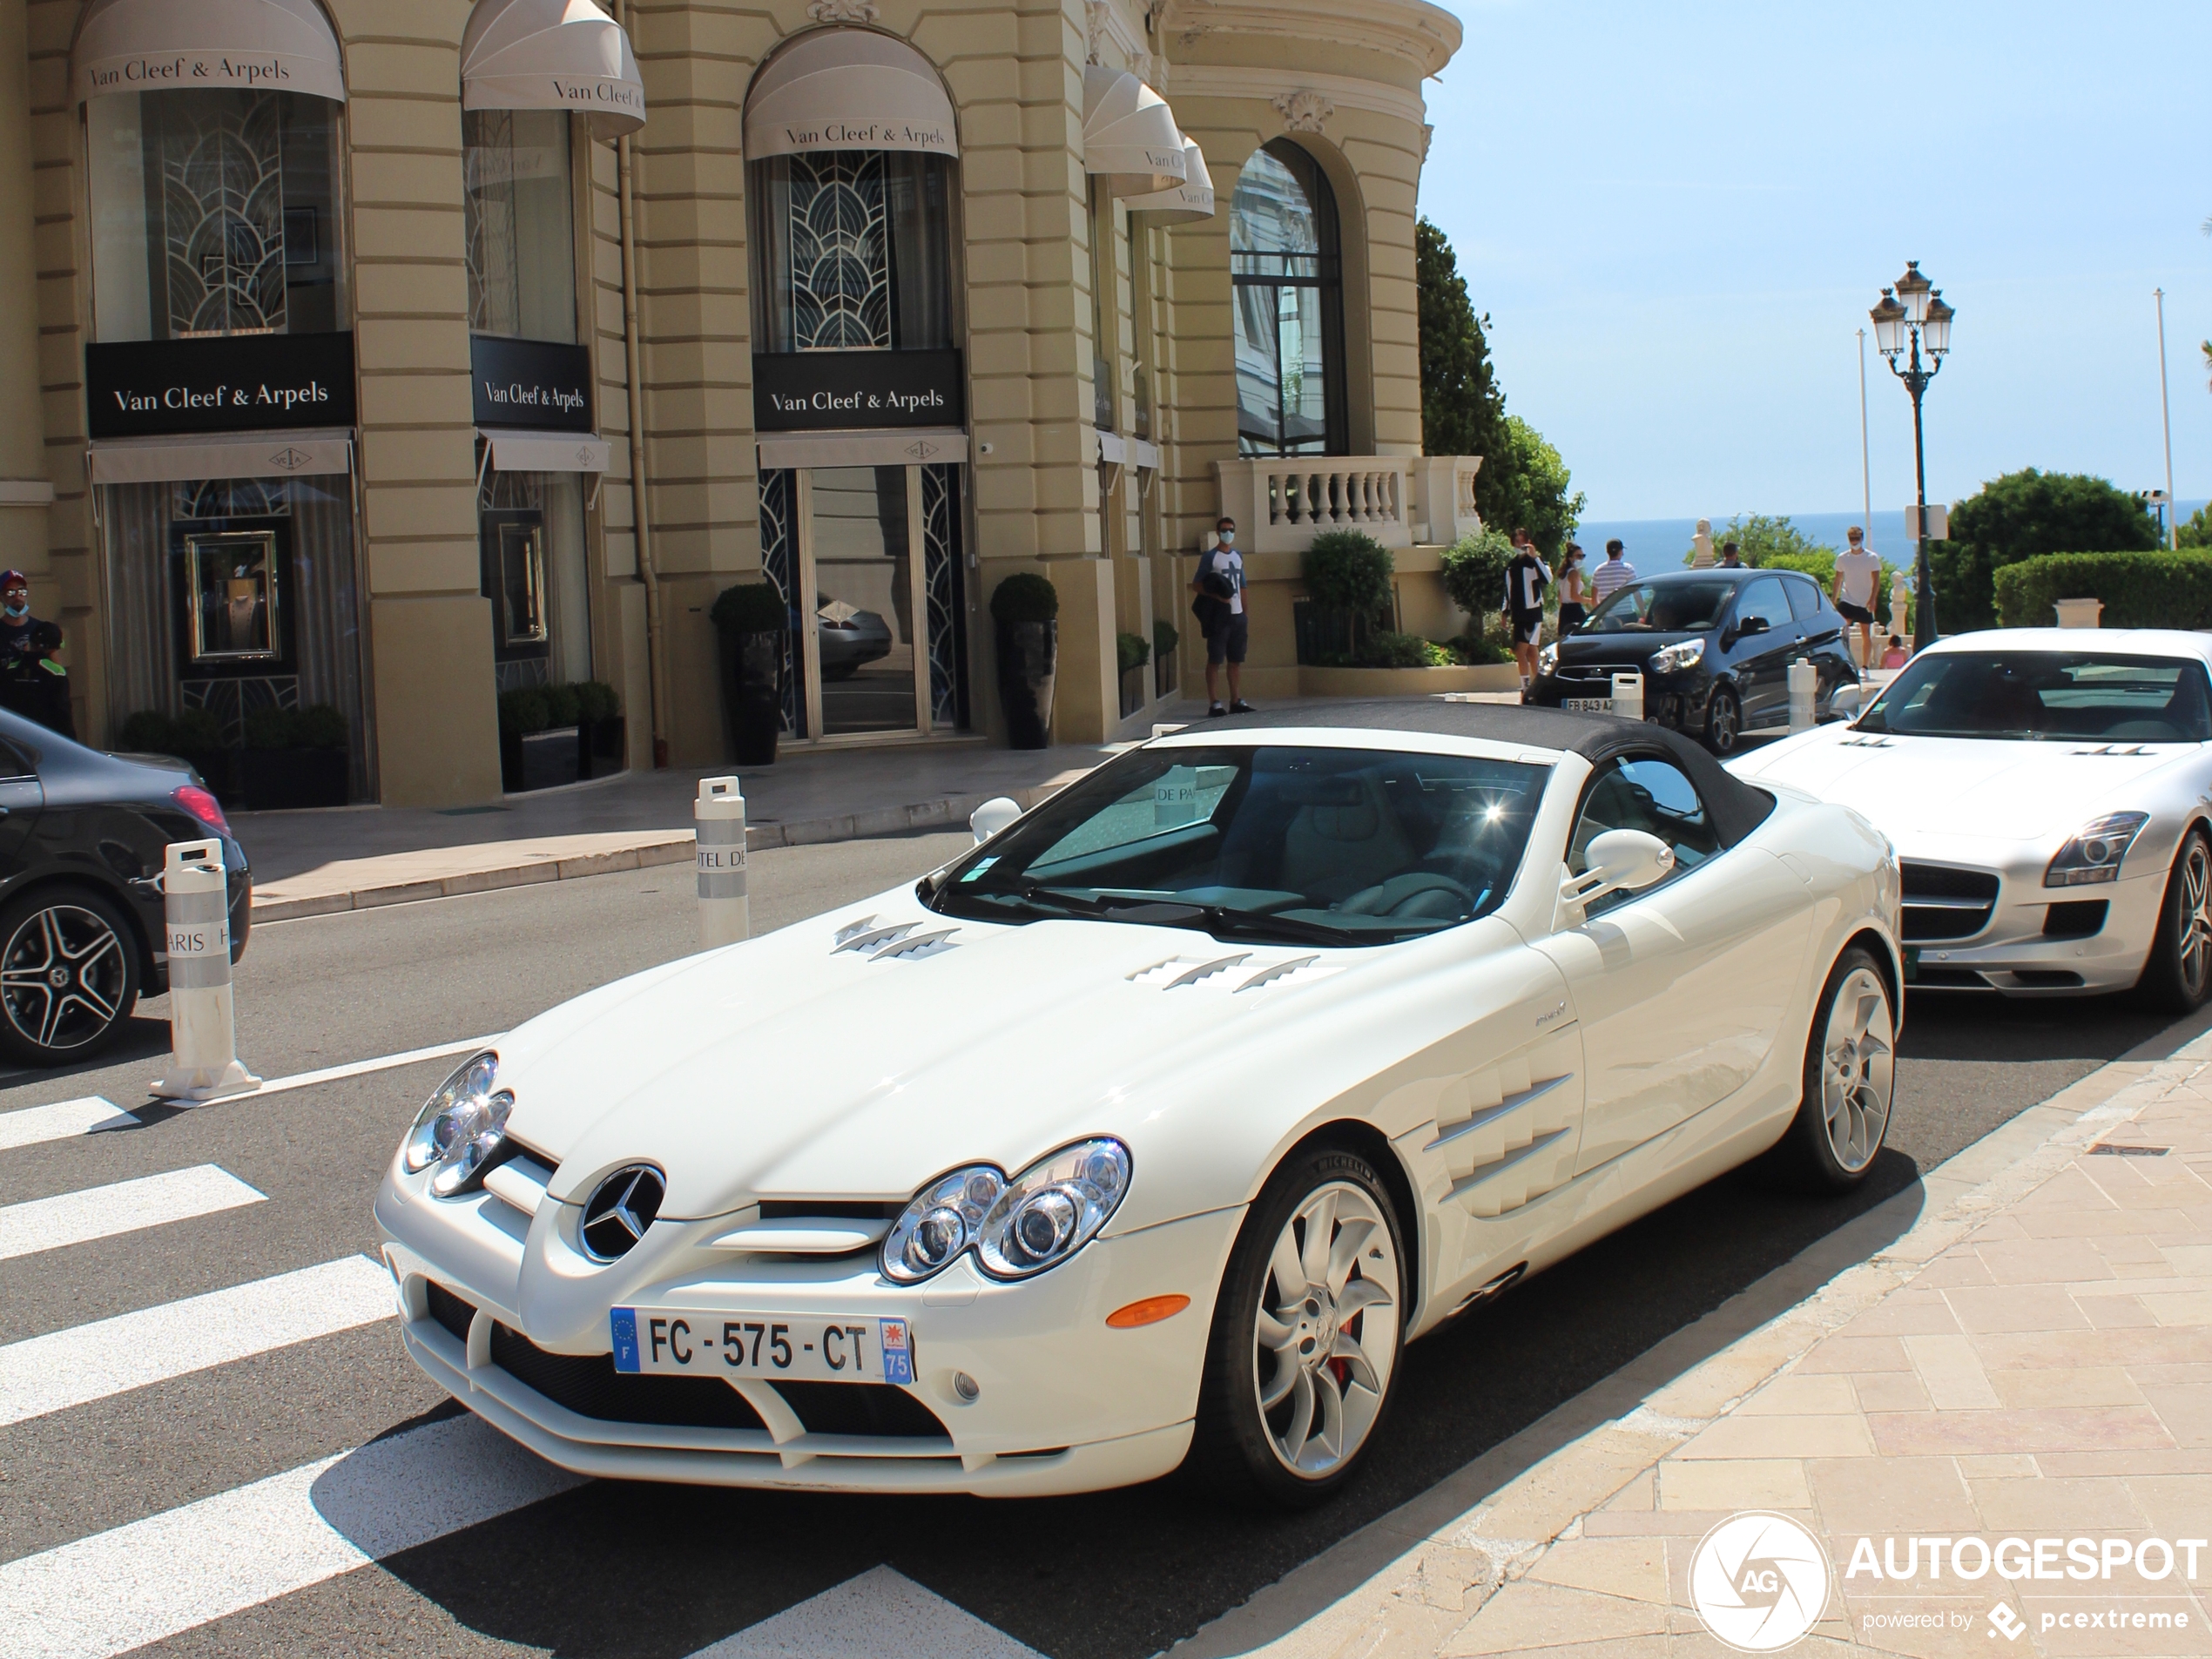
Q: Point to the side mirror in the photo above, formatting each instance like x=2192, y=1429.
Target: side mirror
x=1620, y=861
x=1846, y=701
x=1746, y=626
x=993, y=816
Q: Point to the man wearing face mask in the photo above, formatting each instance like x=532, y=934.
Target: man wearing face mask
x=31, y=682
x=1219, y=608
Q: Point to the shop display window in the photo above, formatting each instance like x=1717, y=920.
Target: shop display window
x=535, y=574
x=214, y=212
x=521, y=224
x=518, y=576
x=233, y=595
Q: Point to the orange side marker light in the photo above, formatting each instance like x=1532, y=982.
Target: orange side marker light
x=1150, y=1310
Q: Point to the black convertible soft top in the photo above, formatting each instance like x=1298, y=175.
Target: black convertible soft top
x=1738, y=807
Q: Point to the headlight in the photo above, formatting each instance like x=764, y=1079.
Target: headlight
x=460, y=1129
x=1672, y=659
x=941, y=1222
x=1053, y=1209
x=2095, y=852
x=1548, y=659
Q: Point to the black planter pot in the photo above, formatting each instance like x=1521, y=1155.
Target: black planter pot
x=753, y=694
x=272, y=780
x=599, y=747
x=1028, y=658
x=537, y=759
x=218, y=769
x=1132, y=689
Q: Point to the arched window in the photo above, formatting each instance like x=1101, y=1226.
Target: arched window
x=1284, y=259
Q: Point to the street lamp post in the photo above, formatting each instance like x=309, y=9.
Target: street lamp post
x=1912, y=319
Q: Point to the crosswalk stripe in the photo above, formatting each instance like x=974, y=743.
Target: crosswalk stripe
x=151, y=1578
x=60, y=1121
x=89, y=1362
x=125, y=1206
x=882, y=1610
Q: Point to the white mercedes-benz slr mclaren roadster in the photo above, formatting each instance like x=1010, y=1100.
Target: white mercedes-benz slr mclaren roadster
x=2049, y=792
x=1152, y=1129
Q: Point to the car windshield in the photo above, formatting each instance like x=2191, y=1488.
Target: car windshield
x=1691, y=607
x=1273, y=843
x=2046, y=694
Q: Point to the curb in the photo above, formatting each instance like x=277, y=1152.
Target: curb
x=1403, y=1583
x=653, y=847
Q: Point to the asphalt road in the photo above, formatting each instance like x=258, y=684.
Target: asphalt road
x=617, y=1569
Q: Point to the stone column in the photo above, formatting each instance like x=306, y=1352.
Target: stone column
x=25, y=490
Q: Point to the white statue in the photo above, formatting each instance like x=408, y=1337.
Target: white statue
x=1900, y=605
x=1700, y=545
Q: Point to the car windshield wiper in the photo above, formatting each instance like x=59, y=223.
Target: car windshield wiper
x=1205, y=918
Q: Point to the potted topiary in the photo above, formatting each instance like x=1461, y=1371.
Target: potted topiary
x=599, y=730
x=750, y=622
x=1131, y=654
x=1026, y=608
x=522, y=714
x=1347, y=586
x=294, y=758
x=1164, y=640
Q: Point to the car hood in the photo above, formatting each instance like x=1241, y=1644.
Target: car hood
x=1991, y=788
x=788, y=1068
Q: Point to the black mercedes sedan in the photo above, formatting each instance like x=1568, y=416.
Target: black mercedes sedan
x=1713, y=648
x=83, y=839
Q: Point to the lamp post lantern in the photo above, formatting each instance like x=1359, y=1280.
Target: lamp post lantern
x=1912, y=322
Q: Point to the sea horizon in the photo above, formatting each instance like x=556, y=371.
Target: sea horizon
x=1661, y=537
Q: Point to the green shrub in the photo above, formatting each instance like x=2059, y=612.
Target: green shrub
x=148, y=732
x=596, y=700
x=1474, y=575
x=320, y=727
x=524, y=710
x=197, y=732
x=1131, y=651
x=559, y=706
x=1164, y=639
x=1472, y=651
x=2023, y=515
x=270, y=728
x=1025, y=596
x=750, y=608
x=2156, y=590
x=1384, y=649
x=1348, y=572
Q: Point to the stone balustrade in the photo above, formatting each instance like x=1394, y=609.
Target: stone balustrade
x=1281, y=503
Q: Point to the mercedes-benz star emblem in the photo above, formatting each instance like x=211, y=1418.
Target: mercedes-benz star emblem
x=620, y=1210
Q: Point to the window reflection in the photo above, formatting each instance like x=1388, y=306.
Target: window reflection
x=1284, y=260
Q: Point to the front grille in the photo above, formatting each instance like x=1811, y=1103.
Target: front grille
x=450, y=1311
x=2045, y=979
x=1944, y=903
x=2076, y=919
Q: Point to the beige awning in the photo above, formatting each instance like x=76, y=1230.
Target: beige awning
x=1189, y=201
x=848, y=89
x=552, y=55
x=1129, y=135
x=171, y=45
x=920, y=447
x=246, y=454
x=546, y=451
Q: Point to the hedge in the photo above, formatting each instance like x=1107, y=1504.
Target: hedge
x=2139, y=590
x=1348, y=572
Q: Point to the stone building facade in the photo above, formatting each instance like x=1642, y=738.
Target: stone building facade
x=389, y=354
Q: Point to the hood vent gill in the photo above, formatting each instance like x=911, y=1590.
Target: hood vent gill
x=1228, y=973
x=896, y=940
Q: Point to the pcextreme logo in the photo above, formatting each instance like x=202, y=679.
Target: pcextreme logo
x=1759, y=1581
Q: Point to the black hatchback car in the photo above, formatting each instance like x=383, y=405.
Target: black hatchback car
x=1713, y=648
x=83, y=839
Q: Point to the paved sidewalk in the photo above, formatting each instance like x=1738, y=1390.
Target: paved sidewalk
x=2019, y=1350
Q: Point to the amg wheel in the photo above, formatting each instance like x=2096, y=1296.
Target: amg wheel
x=1723, y=722
x=2177, y=976
x=1851, y=1062
x=69, y=975
x=1302, y=1359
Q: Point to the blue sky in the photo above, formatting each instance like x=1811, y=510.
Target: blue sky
x=1677, y=215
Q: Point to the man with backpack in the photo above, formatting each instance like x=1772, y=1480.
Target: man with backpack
x=1219, y=607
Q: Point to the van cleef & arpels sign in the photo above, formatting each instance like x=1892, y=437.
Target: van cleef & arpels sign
x=822, y=391
x=232, y=383
x=532, y=385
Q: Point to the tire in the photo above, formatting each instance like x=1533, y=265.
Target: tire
x=82, y=937
x=2177, y=976
x=1724, y=722
x=1849, y=1079
x=1294, y=1389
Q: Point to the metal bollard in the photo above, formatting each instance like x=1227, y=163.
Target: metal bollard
x=726, y=913
x=1627, y=696
x=1804, y=692
x=203, y=1036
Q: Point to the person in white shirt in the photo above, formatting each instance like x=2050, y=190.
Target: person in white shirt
x=1612, y=575
x=1219, y=606
x=1858, y=570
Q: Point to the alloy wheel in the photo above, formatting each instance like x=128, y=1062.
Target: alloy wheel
x=63, y=977
x=1725, y=723
x=2195, y=929
x=1327, y=1334
x=1857, y=1067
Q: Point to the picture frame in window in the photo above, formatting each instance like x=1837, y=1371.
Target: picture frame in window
x=233, y=594
x=515, y=582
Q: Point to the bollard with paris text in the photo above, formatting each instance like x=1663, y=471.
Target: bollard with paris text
x=1804, y=695
x=1627, y=696
x=203, y=1039
x=725, y=914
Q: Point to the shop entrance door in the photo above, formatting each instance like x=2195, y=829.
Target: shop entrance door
x=868, y=559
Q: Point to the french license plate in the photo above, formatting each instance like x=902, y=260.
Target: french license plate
x=1586, y=704
x=803, y=1347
